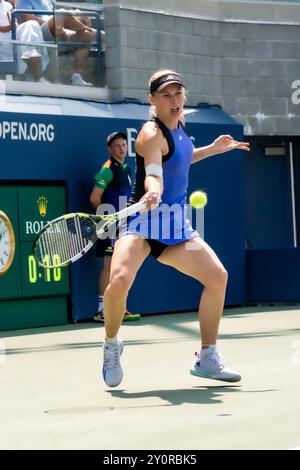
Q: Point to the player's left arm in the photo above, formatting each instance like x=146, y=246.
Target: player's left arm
x=224, y=143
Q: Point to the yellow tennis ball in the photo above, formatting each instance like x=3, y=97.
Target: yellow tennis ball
x=198, y=199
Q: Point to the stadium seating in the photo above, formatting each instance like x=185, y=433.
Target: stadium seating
x=96, y=48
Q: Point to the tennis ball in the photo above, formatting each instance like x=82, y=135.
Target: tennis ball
x=198, y=199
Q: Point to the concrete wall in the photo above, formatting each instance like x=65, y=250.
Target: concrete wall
x=243, y=55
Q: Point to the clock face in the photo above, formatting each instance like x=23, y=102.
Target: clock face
x=7, y=243
x=4, y=244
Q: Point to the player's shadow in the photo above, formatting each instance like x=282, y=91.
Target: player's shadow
x=196, y=395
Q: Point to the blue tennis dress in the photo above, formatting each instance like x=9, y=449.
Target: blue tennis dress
x=168, y=222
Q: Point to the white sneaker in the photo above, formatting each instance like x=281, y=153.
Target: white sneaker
x=76, y=79
x=43, y=80
x=211, y=366
x=112, y=371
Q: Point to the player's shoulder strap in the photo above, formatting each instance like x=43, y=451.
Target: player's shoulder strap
x=168, y=136
x=182, y=124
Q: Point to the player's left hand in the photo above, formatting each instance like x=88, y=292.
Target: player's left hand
x=225, y=143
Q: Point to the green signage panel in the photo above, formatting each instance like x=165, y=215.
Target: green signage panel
x=30, y=295
x=37, y=206
x=32, y=313
x=10, y=281
x=38, y=281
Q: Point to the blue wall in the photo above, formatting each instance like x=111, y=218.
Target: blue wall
x=78, y=148
x=268, y=197
x=273, y=273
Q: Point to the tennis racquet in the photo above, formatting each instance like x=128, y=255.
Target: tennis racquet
x=67, y=238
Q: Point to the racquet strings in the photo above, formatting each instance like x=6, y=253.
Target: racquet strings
x=65, y=239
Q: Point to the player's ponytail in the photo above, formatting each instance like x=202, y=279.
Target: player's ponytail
x=152, y=112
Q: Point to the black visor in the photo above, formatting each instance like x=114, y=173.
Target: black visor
x=161, y=82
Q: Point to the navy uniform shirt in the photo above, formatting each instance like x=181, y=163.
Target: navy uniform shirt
x=115, y=179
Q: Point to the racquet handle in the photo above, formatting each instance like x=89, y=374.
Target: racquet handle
x=131, y=210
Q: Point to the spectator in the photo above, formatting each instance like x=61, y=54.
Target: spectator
x=39, y=28
x=112, y=181
x=5, y=29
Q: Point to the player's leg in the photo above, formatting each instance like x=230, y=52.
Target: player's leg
x=196, y=259
x=104, y=275
x=104, y=251
x=129, y=253
x=102, y=285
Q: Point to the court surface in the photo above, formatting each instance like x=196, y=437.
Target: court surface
x=53, y=397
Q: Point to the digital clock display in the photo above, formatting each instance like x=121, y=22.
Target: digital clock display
x=49, y=273
x=38, y=280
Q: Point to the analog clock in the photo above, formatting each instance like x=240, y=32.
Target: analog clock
x=7, y=243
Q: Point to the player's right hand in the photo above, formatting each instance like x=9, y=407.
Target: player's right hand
x=151, y=200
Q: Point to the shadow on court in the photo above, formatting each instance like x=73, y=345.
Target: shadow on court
x=208, y=395
x=196, y=395
x=201, y=395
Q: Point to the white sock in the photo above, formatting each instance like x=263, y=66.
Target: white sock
x=114, y=339
x=100, y=303
x=207, y=350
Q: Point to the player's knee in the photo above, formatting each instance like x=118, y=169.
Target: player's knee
x=119, y=283
x=220, y=277
x=217, y=279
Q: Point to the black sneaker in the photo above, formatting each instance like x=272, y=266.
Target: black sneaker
x=99, y=317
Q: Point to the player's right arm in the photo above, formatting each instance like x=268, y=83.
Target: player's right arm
x=102, y=178
x=149, y=145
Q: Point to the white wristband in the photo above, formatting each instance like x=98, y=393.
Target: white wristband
x=154, y=170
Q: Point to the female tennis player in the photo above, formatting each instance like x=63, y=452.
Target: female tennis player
x=163, y=158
